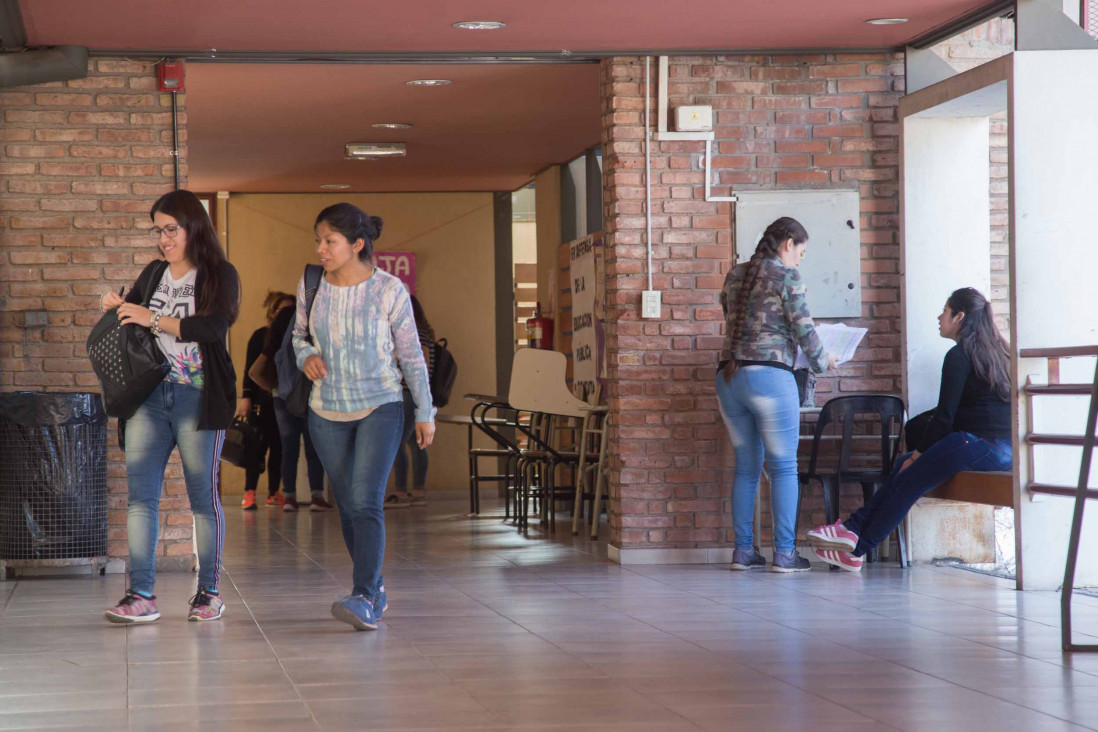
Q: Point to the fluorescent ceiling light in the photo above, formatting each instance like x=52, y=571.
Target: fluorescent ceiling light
x=479, y=25
x=374, y=150
x=335, y=186
x=429, y=82
x=392, y=125
x=886, y=21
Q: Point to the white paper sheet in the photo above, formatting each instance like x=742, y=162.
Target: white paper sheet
x=838, y=339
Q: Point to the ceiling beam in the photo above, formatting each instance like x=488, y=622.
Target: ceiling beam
x=968, y=21
x=408, y=58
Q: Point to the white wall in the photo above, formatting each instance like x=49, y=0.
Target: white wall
x=946, y=242
x=1054, y=195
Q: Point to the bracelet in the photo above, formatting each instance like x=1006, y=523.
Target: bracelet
x=154, y=324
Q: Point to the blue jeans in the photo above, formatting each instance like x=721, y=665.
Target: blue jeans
x=954, y=453
x=419, y=456
x=761, y=410
x=169, y=419
x=291, y=429
x=358, y=457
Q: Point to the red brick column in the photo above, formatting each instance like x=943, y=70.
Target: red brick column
x=81, y=162
x=820, y=121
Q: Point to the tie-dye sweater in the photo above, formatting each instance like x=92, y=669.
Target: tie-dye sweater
x=367, y=336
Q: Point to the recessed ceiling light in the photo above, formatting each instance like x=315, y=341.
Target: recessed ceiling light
x=392, y=126
x=480, y=25
x=429, y=82
x=886, y=21
x=374, y=150
x=335, y=186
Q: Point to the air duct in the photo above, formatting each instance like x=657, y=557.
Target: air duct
x=59, y=63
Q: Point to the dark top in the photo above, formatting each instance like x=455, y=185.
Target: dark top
x=208, y=331
x=252, y=390
x=966, y=403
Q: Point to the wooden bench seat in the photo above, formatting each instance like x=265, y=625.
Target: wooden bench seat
x=989, y=489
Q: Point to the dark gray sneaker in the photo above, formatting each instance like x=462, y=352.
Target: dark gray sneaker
x=791, y=562
x=745, y=559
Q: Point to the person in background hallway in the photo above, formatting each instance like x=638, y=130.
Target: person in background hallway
x=766, y=318
x=970, y=430
x=291, y=428
x=359, y=343
x=192, y=305
x=257, y=402
x=418, y=496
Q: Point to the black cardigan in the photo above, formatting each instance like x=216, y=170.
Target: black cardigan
x=219, y=387
x=966, y=403
x=252, y=390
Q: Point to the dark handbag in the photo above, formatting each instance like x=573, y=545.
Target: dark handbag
x=297, y=401
x=126, y=360
x=243, y=445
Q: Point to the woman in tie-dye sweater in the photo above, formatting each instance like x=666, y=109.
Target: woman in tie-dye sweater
x=358, y=341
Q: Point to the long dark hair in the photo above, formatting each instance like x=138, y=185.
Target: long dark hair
x=421, y=318
x=203, y=251
x=353, y=223
x=981, y=340
x=275, y=301
x=776, y=234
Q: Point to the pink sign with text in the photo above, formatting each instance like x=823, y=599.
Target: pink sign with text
x=399, y=264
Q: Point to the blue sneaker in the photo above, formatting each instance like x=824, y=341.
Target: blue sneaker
x=381, y=602
x=355, y=610
x=745, y=559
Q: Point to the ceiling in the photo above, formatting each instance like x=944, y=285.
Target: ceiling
x=274, y=127
x=282, y=127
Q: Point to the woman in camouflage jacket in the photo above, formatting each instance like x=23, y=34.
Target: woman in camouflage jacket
x=766, y=319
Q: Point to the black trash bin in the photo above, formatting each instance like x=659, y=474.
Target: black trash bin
x=53, y=476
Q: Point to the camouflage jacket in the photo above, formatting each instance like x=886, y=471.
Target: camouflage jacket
x=777, y=318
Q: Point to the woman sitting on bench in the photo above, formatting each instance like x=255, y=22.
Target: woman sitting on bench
x=970, y=430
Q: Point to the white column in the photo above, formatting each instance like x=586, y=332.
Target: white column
x=1054, y=275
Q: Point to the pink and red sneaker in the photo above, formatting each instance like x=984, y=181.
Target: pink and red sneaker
x=833, y=536
x=842, y=560
x=206, y=606
x=133, y=608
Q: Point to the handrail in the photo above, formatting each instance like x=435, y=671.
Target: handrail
x=1066, y=352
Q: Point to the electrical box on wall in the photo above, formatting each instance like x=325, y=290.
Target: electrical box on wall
x=650, y=304
x=170, y=76
x=694, y=118
x=832, y=267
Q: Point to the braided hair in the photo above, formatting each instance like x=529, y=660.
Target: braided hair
x=778, y=233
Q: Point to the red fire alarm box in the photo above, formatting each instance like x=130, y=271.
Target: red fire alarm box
x=169, y=76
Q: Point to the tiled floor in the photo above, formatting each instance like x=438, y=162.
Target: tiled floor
x=488, y=630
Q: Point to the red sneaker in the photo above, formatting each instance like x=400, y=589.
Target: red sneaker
x=833, y=536
x=842, y=560
x=133, y=608
x=278, y=500
x=248, y=504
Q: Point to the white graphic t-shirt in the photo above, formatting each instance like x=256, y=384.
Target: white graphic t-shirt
x=175, y=299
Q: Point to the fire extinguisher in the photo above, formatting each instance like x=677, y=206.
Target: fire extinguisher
x=539, y=331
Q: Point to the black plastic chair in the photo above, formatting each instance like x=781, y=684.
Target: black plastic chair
x=888, y=409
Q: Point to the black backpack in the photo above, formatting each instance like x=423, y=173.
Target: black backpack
x=442, y=378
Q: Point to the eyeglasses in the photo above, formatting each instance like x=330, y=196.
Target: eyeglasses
x=171, y=230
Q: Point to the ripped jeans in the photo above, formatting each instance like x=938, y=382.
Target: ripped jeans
x=761, y=411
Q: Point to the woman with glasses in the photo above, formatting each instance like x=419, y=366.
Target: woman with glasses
x=766, y=319
x=194, y=296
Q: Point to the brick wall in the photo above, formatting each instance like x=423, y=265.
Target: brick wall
x=81, y=162
x=815, y=121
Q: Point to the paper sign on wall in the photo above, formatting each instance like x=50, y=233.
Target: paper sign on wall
x=588, y=313
x=399, y=264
